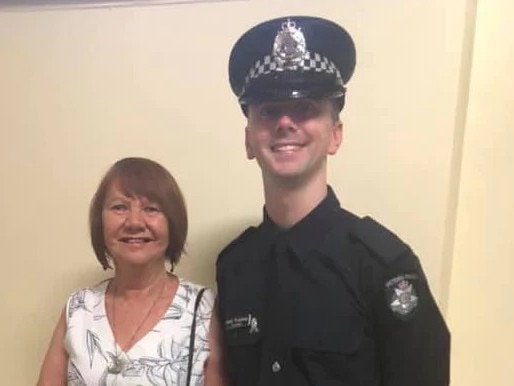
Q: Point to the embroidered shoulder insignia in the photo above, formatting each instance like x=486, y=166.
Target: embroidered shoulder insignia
x=401, y=295
x=380, y=240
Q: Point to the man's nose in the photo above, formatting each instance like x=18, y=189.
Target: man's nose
x=286, y=122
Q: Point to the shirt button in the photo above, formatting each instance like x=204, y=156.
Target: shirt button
x=275, y=367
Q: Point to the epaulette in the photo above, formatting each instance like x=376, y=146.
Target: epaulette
x=243, y=236
x=378, y=239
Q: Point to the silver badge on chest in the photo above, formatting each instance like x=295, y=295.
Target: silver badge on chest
x=289, y=46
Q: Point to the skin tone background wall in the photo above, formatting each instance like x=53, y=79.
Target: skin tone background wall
x=425, y=149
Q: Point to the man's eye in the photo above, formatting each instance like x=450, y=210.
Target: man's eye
x=270, y=112
x=305, y=110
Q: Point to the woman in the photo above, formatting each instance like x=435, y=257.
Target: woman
x=135, y=328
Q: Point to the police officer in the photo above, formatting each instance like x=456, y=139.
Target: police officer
x=315, y=295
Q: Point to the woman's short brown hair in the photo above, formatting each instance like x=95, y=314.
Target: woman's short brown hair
x=141, y=177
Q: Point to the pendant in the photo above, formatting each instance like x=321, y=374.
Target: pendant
x=116, y=366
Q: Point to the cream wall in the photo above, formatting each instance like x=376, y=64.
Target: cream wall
x=82, y=88
x=481, y=301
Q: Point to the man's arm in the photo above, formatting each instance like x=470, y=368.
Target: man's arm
x=413, y=341
x=214, y=369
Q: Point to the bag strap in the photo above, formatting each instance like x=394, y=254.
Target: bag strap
x=192, y=337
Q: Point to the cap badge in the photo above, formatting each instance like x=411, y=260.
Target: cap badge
x=289, y=46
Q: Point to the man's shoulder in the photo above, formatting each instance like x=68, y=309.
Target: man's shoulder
x=240, y=241
x=380, y=241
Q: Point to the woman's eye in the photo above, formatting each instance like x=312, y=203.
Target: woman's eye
x=152, y=209
x=119, y=207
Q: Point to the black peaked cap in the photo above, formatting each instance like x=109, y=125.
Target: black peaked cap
x=315, y=59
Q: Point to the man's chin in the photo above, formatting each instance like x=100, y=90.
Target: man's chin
x=286, y=178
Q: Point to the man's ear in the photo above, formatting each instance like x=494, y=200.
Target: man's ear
x=336, y=138
x=249, y=151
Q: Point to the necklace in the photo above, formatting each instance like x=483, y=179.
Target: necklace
x=118, y=363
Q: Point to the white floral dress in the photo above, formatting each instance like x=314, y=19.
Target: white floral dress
x=159, y=358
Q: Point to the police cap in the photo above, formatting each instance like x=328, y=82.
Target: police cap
x=292, y=58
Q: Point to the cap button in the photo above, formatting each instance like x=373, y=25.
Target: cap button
x=275, y=367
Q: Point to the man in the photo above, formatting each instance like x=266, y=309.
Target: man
x=315, y=295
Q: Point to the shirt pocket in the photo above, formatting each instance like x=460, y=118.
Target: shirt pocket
x=243, y=356
x=239, y=337
x=334, y=347
x=329, y=332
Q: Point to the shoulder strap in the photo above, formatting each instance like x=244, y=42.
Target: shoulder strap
x=242, y=237
x=378, y=239
x=192, y=337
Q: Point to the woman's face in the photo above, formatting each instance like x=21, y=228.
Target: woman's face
x=135, y=229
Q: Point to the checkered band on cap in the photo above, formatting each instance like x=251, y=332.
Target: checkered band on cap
x=309, y=62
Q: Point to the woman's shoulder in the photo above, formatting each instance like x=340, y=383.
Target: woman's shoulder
x=91, y=291
x=192, y=290
x=86, y=298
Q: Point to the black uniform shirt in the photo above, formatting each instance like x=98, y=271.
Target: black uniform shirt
x=334, y=300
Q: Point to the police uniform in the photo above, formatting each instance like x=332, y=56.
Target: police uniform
x=335, y=299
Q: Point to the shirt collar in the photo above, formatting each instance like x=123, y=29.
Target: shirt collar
x=309, y=232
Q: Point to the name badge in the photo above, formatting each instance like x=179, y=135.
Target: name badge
x=248, y=321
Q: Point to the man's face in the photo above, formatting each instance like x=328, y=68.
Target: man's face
x=291, y=139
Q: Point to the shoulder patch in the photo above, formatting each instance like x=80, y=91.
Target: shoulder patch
x=402, y=295
x=239, y=239
x=377, y=238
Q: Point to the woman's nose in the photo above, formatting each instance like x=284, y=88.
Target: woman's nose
x=134, y=217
